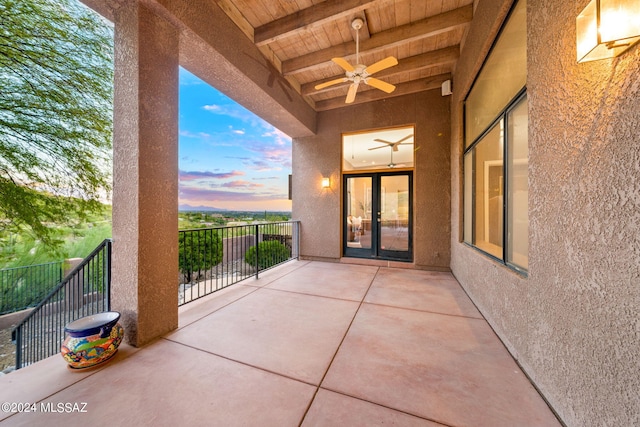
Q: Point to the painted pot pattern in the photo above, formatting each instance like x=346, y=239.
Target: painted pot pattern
x=87, y=351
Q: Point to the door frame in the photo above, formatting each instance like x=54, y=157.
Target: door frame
x=375, y=252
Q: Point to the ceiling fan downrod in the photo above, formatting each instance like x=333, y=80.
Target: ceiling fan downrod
x=356, y=24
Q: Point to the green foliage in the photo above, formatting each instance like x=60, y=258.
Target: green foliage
x=199, y=250
x=19, y=248
x=25, y=287
x=56, y=101
x=270, y=253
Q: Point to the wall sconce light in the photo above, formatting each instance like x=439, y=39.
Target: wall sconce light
x=606, y=28
x=326, y=183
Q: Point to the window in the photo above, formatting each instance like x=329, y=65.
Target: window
x=379, y=149
x=496, y=154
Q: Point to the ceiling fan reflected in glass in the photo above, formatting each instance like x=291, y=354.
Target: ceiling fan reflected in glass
x=392, y=165
x=360, y=73
x=393, y=145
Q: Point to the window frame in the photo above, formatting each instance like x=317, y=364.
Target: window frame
x=470, y=151
x=502, y=115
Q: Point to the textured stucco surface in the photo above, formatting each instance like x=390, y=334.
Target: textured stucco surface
x=319, y=156
x=145, y=193
x=573, y=323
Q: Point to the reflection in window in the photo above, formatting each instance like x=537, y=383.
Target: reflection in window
x=496, y=216
x=485, y=189
x=394, y=213
x=518, y=207
x=503, y=75
x=489, y=184
x=358, y=227
x=381, y=149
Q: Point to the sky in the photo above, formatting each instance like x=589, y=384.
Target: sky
x=229, y=157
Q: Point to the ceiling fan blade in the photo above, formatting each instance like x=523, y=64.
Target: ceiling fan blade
x=343, y=64
x=377, y=148
x=331, y=83
x=351, y=95
x=405, y=138
x=383, y=141
x=379, y=84
x=387, y=62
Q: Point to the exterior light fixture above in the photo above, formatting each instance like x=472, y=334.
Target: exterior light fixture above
x=326, y=183
x=606, y=28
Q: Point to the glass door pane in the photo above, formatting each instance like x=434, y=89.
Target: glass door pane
x=394, y=213
x=359, y=205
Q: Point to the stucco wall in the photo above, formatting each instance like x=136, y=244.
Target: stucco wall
x=574, y=323
x=319, y=209
x=145, y=174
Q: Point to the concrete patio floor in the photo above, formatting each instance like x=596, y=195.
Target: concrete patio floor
x=309, y=343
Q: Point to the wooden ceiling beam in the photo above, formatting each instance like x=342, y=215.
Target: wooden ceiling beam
x=422, y=29
x=436, y=58
x=429, y=83
x=310, y=17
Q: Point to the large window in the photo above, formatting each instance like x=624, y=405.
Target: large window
x=496, y=217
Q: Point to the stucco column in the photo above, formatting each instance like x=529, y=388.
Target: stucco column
x=145, y=173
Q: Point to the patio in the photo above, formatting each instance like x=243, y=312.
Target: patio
x=308, y=343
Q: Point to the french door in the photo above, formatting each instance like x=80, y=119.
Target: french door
x=378, y=215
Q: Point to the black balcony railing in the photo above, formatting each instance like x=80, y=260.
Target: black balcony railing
x=211, y=259
x=24, y=287
x=83, y=292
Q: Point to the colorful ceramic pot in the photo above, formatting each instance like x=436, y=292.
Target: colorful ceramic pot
x=92, y=339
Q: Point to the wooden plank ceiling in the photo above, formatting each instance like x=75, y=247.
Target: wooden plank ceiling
x=300, y=37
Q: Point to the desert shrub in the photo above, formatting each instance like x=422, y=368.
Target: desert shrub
x=270, y=253
x=199, y=250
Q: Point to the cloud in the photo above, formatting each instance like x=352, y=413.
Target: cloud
x=213, y=108
x=189, y=134
x=259, y=165
x=270, y=157
x=264, y=178
x=196, y=175
x=197, y=194
x=277, y=135
x=235, y=111
x=242, y=184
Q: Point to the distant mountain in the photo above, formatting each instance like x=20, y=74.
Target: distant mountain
x=183, y=208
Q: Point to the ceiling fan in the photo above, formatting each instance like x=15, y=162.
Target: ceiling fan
x=393, y=145
x=361, y=73
x=392, y=165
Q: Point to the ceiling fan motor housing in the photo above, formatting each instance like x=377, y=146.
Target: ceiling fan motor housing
x=358, y=74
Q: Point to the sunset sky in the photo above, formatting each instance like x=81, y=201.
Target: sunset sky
x=229, y=157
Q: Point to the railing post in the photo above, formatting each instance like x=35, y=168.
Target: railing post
x=297, y=239
x=257, y=252
x=18, y=339
x=107, y=272
x=74, y=288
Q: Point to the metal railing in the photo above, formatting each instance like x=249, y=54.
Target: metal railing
x=24, y=287
x=211, y=259
x=83, y=292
